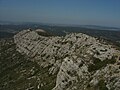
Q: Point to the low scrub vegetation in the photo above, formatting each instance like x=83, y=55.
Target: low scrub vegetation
x=98, y=64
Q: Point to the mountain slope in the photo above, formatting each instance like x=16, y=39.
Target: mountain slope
x=74, y=62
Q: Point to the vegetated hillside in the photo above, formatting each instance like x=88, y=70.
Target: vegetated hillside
x=18, y=72
x=77, y=61
x=6, y=34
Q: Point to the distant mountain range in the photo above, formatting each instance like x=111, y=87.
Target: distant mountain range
x=71, y=25
x=101, y=27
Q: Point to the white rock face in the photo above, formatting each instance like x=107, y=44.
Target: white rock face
x=40, y=30
x=71, y=58
x=69, y=75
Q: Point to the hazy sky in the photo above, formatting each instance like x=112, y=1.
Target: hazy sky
x=88, y=12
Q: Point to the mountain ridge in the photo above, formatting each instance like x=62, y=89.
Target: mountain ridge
x=74, y=62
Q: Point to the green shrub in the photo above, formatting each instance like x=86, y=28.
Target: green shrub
x=98, y=64
x=102, y=85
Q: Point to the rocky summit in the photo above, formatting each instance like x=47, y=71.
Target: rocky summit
x=35, y=60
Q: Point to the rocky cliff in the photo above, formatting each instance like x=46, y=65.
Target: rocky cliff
x=74, y=62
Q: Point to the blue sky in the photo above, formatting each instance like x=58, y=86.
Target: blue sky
x=80, y=12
